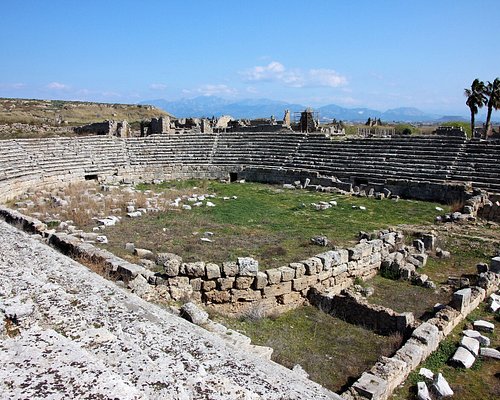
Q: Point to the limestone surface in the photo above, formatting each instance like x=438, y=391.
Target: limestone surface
x=68, y=333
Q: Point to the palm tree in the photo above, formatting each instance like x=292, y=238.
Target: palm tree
x=493, y=93
x=475, y=100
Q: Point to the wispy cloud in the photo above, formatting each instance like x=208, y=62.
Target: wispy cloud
x=212, y=89
x=158, y=86
x=277, y=72
x=57, y=86
x=16, y=85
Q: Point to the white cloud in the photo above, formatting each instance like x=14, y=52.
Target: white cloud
x=211, y=90
x=277, y=72
x=326, y=77
x=57, y=86
x=158, y=86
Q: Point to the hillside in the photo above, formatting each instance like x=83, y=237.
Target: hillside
x=71, y=113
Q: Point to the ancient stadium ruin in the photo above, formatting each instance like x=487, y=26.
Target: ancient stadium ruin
x=89, y=337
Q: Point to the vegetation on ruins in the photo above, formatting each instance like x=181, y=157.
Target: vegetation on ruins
x=492, y=91
x=479, y=95
x=475, y=100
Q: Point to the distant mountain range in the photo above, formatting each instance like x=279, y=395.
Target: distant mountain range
x=208, y=106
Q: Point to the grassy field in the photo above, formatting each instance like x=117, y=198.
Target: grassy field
x=37, y=112
x=333, y=352
x=266, y=222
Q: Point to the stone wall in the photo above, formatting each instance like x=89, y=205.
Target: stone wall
x=353, y=308
x=234, y=286
x=389, y=372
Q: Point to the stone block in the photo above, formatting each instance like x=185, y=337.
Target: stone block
x=245, y=295
x=273, y=276
x=427, y=334
x=423, y=391
x=483, y=326
x=490, y=353
x=495, y=265
x=421, y=258
x=370, y=386
x=461, y=300
x=208, y=286
x=287, y=273
x=441, y=387
x=322, y=276
x=225, y=283
x=277, y=289
x=292, y=297
x=411, y=353
x=195, y=269
x=419, y=246
x=430, y=241
x=304, y=282
x=407, y=271
x=229, y=268
x=333, y=257
x=217, y=296
x=483, y=340
x=470, y=344
x=338, y=269
x=195, y=284
x=213, y=271
x=260, y=281
x=299, y=268
x=313, y=265
x=243, y=282
x=247, y=266
x=194, y=314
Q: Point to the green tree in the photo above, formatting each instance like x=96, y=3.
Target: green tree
x=475, y=100
x=492, y=91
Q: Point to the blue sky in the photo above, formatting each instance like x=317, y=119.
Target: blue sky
x=379, y=54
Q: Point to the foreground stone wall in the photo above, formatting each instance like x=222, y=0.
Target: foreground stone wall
x=67, y=332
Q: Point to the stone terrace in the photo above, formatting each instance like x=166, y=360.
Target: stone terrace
x=432, y=159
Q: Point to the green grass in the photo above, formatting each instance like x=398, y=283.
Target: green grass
x=266, y=222
x=332, y=351
x=402, y=296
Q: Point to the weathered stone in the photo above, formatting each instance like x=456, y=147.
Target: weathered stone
x=225, y=283
x=277, y=289
x=171, y=263
x=273, y=275
x=419, y=246
x=247, y=266
x=483, y=340
x=194, y=314
x=243, y=282
x=320, y=241
x=461, y=299
x=288, y=298
x=339, y=269
x=260, y=281
x=195, y=284
x=144, y=253
x=299, y=268
x=490, y=353
x=208, y=286
x=370, y=386
x=304, y=282
x=195, y=269
x=407, y=271
x=313, y=265
x=212, y=270
x=495, y=265
x=463, y=358
x=482, y=267
x=441, y=386
x=245, y=295
x=229, y=268
x=426, y=373
x=423, y=391
x=470, y=344
x=429, y=240
x=130, y=247
x=217, y=296
x=483, y=326
x=287, y=274
x=427, y=334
